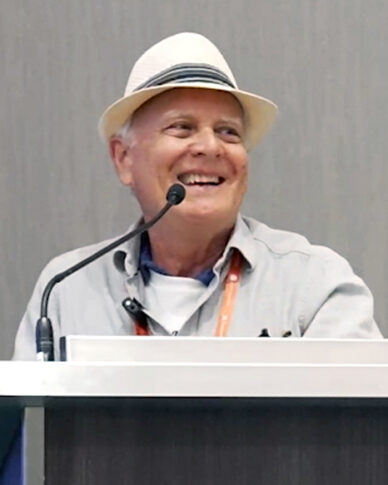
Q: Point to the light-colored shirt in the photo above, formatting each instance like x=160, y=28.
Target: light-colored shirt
x=172, y=298
x=288, y=286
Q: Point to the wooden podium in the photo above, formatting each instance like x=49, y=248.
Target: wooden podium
x=282, y=417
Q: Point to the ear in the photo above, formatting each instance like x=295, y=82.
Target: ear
x=120, y=153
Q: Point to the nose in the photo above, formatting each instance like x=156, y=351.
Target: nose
x=206, y=143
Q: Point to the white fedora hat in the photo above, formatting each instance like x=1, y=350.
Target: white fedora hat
x=185, y=60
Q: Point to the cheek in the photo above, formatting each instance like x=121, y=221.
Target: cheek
x=157, y=156
x=142, y=166
x=239, y=157
x=244, y=183
x=241, y=166
x=242, y=176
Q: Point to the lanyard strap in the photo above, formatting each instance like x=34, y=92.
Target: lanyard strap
x=232, y=282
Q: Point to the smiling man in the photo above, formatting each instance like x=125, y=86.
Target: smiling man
x=195, y=137
x=203, y=269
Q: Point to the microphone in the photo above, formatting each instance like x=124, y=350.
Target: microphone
x=44, y=330
x=175, y=194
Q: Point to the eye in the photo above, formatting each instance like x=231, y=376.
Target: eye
x=229, y=134
x=180, y=129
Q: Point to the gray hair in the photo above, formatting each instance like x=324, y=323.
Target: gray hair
x=125, y=132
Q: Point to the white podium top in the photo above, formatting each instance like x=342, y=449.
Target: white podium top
x=196, y=367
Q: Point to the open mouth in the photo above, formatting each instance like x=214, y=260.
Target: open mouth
x=194, y=179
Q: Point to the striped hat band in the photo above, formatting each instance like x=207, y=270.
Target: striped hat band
x=187, y=73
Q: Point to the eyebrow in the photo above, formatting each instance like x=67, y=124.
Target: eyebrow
x=233, y=120
x=224, y=119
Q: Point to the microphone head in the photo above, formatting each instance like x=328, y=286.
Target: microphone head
x=176, y=193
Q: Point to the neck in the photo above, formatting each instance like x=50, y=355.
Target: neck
x=187, y=251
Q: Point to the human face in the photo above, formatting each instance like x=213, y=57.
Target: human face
x=191, y=136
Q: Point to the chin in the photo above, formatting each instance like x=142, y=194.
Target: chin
x=208, y=215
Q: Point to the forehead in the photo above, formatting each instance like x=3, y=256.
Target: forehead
x=190, y=101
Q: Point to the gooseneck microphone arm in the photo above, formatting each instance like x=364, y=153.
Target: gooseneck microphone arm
x=44, y=331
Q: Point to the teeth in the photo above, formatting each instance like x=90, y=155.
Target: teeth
x=196, y=178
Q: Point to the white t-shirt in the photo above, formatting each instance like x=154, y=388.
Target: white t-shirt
x=172, y=299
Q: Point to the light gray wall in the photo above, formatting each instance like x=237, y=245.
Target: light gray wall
x=322, y=171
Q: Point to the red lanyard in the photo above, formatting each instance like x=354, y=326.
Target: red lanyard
x=232, y=282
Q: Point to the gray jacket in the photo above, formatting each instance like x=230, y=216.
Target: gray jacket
x=288, y=285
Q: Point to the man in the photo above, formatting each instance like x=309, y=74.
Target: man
x=203, y=269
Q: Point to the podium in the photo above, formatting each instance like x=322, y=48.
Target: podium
x=238, y=411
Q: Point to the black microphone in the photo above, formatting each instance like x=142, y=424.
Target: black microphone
x=44, y=331
x=175, y=194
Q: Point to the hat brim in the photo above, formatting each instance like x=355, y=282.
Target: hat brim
x=259, y=113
